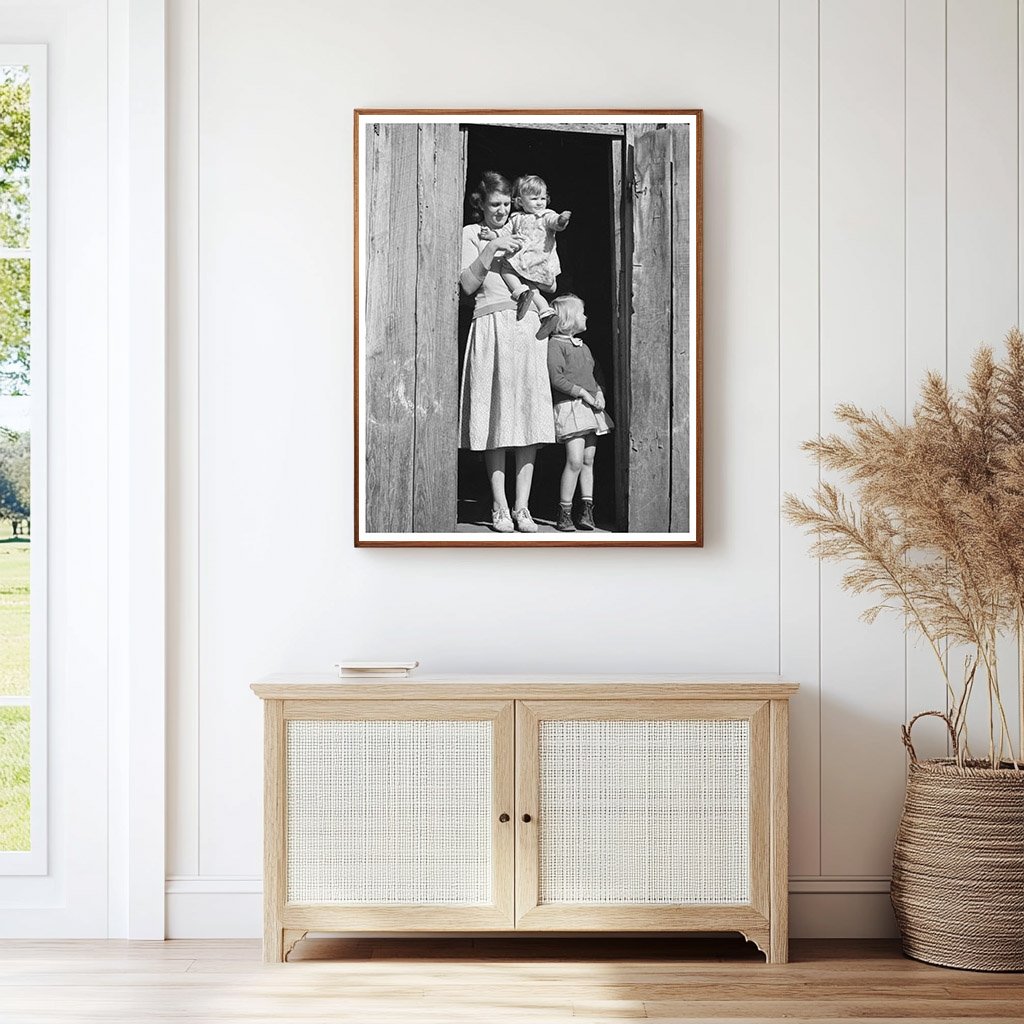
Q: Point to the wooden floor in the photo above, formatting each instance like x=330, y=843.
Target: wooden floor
x=488, y=981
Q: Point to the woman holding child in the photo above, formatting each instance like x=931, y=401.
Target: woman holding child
x=506, y=393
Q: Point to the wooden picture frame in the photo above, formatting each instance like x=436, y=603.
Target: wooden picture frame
x=632, y=252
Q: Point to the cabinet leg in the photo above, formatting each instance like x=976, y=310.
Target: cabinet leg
x=778, y=952
x=289, y=938
x=273, y=944
x=279, y=942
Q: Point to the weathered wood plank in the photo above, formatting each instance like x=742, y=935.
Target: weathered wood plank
x=603, y=128
x=620, y=383
x=625, y=316
x=390, y=335
x=441, y=175
x=679, y=516
x=650, y=362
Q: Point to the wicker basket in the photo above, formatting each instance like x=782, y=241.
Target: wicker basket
x=958, y=865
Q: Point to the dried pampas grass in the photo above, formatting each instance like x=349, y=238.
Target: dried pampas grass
x=936, y=530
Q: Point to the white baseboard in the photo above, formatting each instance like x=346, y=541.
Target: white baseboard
x=841, y=915
x=218, y=907
x=214, y=915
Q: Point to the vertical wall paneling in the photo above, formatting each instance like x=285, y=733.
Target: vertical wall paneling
x=982, y=227
x=862, y=361
x=799, y=588
x=925, y=284
x=1020, y=282
x=143, y=632
x=256, y=384
x=183, y=437
x=119, y=492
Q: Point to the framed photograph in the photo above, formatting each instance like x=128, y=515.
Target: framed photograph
x=528, y=328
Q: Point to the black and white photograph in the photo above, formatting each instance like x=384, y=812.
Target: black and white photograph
x=528, y=328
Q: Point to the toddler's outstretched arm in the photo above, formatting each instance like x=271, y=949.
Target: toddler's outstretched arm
x=557, y=221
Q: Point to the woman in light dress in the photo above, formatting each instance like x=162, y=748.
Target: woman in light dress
x=505, y=402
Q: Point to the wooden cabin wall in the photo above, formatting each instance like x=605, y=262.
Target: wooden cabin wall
x=655, y=343
x=389, y=336
x=622, y=231
x=650, y=351
x=682, y=354
x=415, y=183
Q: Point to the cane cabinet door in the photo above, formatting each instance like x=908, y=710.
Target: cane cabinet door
x=397, y=814
x=643, y=815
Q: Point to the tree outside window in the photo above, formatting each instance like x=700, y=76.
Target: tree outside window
x=15, y=455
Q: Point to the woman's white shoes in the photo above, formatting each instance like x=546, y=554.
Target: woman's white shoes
x=501, y=520
x=524, y=521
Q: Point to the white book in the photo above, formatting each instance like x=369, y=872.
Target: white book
x=366, y=669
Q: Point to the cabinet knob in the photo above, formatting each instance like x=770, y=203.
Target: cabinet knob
x=503, y=818
x=527, y=818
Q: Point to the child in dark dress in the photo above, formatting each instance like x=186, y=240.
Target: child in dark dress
x=577, y=396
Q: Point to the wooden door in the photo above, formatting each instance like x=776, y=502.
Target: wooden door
x=415, y=175
x=649, y=815
x=658, y=353
x=394, y=815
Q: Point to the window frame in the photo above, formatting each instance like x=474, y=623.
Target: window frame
x=34, y=860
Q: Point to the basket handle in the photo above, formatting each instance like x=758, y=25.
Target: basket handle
x=905, y=733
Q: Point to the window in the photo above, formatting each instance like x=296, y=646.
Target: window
x=22, y=460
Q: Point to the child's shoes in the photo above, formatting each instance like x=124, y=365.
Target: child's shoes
x=501, y=520
x=586, y=519
x=565, y=523
x=524, y=521
x=548, y=323
x=524, y=303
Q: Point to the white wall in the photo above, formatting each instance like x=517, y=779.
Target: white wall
x=861, y=224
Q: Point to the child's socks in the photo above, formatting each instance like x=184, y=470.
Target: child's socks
x=565, y=523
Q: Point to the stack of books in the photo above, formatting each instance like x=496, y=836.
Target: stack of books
x=375, y=669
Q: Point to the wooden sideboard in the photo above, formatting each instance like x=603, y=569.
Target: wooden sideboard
x=485, y=803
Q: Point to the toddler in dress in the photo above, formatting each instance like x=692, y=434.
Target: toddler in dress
x=535, y=266
x=577, y=395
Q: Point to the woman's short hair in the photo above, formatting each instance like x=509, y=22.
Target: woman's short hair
x=489, y=183
x=569, y=309
x=529, y=185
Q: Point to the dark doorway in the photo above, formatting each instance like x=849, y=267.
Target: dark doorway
x=577, y=168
